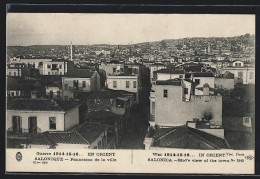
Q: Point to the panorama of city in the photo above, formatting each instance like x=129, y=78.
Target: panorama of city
x=185, y=93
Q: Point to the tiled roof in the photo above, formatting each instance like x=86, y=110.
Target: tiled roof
x=90, y=132
x=84, y=134
x=188, y=138
x=52, y=138
x=39, y=104
x=176, y=82
x=79, y=73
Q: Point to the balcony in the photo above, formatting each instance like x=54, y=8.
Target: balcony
x=78, y=89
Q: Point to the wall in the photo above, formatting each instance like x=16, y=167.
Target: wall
x=203, y=80
x=173, y=111
x=69, y=81
x=42, y=119
x=165, y=76
x=14, y=72
x=71, y=118
x=93, y=86
x=99, y=139
x=121, y=83
x=155, y=68
x=46, y=70
x=109, y=68
x=224, y=83
x=246, y=74
x=186, y=84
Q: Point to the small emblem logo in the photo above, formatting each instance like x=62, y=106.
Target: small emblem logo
x=19, y=156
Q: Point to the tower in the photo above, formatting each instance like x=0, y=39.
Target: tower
x=208, y=48
x=71, y=50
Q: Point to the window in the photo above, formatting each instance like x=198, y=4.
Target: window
x=49, y=73
x=66, y=86
x=240, y=74
x=197, y=81
x=114, y=84
x=114, y=70
x=48, y=66
x=134, y=84
x=60, y=73
x=127, y=84
x=17, y=93
x=10, y=73
x=181, y=76
x=52, y=123
x=251, y=75
x=83, y=84
x=14, y=73
x=12, y=93
x=246, y=120
x=121, y=69
x=165, y=93
x=185, y=90
x=60, y=66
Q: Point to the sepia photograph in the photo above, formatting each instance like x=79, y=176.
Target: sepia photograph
x=130, y=82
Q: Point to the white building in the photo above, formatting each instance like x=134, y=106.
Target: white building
x=155, y=67
x=55, y=67
x=124, y=82
x=27, y=115
x=80, y=80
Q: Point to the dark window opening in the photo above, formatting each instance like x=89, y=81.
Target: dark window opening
x=52, y=123
x=165, y=93
x=197, y=81
x=185, y=90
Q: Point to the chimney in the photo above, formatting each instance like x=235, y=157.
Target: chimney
x=206, y=89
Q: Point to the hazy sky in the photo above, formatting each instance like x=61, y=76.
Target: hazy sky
x=61, y=29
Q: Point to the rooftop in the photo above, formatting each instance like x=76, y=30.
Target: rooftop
x=30, y=104
x=175, y=81
x=171, y=71
x=84, y=134
x=188, y=138
x=79, y=73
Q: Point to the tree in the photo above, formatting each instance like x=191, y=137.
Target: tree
x=207, y=115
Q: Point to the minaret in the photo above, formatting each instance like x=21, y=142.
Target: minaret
x=71, y=50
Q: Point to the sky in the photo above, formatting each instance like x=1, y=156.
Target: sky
x=86, y=29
